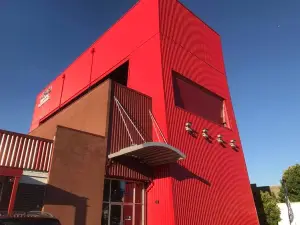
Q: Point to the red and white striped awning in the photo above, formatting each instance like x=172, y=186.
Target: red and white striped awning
x=151, y=153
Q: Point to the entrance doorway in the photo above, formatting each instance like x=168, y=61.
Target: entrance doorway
x=123, y=203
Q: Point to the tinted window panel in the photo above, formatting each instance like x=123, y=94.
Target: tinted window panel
x=128, y=195
x=106, y=190
x=117, y=190
x=105, y=213
x=138, y=214
x=115, y=214
x=197, y=100
x=138, y=192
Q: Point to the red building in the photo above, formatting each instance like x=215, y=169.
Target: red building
x=141, y=127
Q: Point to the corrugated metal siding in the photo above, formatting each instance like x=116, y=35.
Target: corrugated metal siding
x=146, y=77
x=211, y=186
x=160, y=209
x=24, y=151
x=137, y=106
x=180, y=25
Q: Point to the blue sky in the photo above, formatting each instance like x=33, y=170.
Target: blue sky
x=261, y=44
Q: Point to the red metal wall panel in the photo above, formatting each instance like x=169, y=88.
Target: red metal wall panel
x=146, y=77
x=77, y=76
x=180, y=25
x=130, y=32
x=24, y=151
x=110, y=49
x=211, y=186
x=137, y=106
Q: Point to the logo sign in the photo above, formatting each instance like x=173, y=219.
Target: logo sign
x=45, y=96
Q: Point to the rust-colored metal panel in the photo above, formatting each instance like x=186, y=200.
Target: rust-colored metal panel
x=137, y=107
x=88, y=113
x=24, y=151
x=75, y=188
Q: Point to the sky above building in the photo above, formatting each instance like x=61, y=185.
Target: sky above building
x=39, y=39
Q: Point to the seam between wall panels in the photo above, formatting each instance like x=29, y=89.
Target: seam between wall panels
x=171, y=39
x=235, y=127
x=93, y=44
x=171, y=181
x=198, y=18
x=109, y=115
x=166, y=129
x=126, y=57
x=97, y=80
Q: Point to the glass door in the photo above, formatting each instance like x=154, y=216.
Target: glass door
x=116, y=217
x=123, y=203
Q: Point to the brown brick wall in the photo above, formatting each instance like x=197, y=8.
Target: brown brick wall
x=88, y=113
x=75, y=188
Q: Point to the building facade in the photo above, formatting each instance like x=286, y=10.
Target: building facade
x=143, y=128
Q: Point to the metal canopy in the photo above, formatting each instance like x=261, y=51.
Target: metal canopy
x=151, y=153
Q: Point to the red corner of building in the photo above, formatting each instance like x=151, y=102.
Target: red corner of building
x=139, y=127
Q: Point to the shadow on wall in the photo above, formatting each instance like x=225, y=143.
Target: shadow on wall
x=258, y=202
x=181, y=173
x=29, y=196
x=178, y=172
x=58, y=197
x=135, y=165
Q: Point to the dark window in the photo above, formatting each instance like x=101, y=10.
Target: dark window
x=117, y=190
x=106, y=190
x=197, y=100
x=105, y=213
x=115, y=214
x=120, y=74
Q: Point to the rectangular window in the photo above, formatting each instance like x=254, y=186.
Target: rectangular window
x=198, y=100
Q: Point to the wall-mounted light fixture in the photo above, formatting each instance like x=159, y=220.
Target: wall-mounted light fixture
x=205, y=133
x=232, y=144
x=220, y=139
x=188, y=127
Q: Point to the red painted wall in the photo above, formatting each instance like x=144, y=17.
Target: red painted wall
x=146, y=77
x=215, y=186
x=157, y=36
x=109, y=51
